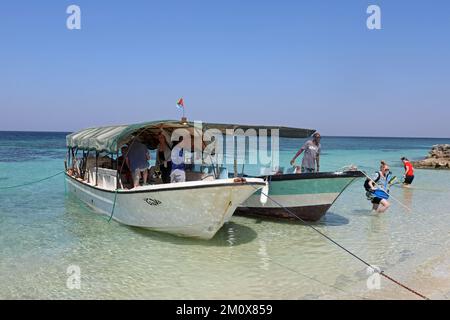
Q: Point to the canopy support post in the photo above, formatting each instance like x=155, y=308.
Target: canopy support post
x=72, y=151
x=235, y=156
x=84, y=166
x=118, y=173
x=96, y=168
x=68, y=157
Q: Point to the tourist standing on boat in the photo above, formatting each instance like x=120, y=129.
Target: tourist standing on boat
x=311, y=158
x=137, y=161
x=164, y=158
x=377, y=188
x=178, y=168
x=409, y=172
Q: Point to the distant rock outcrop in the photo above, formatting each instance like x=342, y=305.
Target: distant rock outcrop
x=438, y=158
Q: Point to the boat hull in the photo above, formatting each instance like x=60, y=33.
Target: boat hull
x=188, y=209
x=298, y=196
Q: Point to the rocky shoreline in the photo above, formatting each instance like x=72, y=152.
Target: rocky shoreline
x=438, y=158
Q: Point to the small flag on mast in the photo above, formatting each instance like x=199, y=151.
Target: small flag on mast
x=180, y=104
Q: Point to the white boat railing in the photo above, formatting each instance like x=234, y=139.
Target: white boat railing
x=107, y=178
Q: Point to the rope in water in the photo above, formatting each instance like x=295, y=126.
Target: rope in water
x=382, y=273
x=281, y=206
x=114, y=206
x=32, y=182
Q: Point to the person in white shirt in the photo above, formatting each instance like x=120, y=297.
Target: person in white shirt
x=311, y=158
x=178, y=167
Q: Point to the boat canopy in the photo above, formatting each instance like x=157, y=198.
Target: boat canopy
x=110, y=138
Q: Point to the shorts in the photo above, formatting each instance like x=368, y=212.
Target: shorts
x=177, y=176
x=408, y=179
x=308, y=170
x=376, y=200
x=137, y=174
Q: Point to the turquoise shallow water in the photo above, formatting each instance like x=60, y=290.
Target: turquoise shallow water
x=43, y=231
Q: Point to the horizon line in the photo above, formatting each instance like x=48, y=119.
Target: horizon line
x=330, y=136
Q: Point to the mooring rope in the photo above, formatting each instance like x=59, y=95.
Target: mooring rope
x=114, y=206
x=382, y=273
x=32, y=182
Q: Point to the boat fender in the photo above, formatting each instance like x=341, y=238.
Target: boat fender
x=264, y=193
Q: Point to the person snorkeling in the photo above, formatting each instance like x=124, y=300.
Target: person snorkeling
x=377, y=188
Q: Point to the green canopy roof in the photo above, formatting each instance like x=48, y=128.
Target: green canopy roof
x=110, y=138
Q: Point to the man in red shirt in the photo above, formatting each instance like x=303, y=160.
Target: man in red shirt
x=409, y=171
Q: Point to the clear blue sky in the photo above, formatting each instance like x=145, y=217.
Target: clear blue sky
x=296, y=63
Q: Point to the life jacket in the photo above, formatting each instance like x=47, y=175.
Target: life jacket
x=367, y=185
x=385, y=186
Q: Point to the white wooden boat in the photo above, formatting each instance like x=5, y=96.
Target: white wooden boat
x=192, y=209
x=196, y=208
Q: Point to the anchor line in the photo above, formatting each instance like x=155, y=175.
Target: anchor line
x=32, y=182
x=382, y=273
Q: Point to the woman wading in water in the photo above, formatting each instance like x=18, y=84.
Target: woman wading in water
x=377, y=189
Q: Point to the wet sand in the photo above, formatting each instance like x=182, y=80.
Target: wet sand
x=430, y=278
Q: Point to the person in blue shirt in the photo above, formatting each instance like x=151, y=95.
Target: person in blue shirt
x=137, y=160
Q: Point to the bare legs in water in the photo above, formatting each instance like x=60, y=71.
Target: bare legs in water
x=382, y=207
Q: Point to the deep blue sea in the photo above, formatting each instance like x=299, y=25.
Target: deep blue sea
x=44, y=231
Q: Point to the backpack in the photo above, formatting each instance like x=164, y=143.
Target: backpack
x=367, y=185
